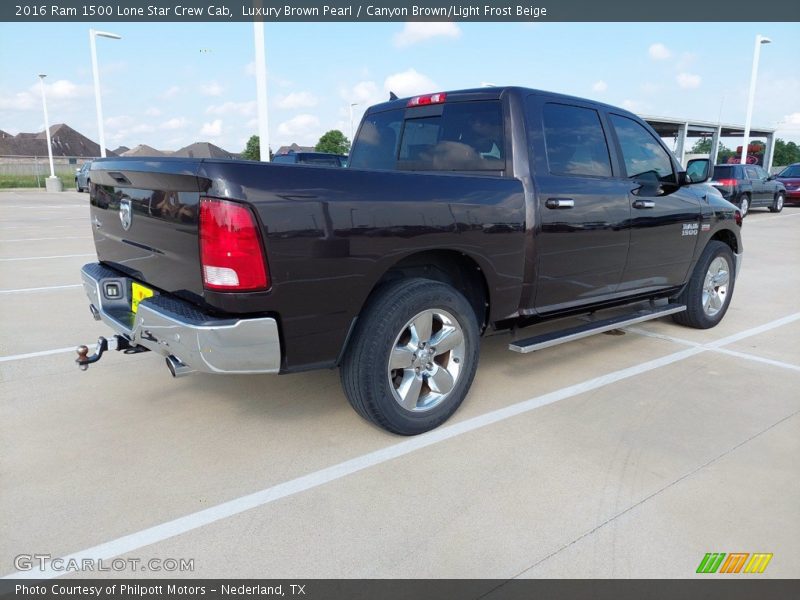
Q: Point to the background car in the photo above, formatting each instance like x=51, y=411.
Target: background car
x=790, y=178
x=320, y=159
x=82, y=180
x=749, y=186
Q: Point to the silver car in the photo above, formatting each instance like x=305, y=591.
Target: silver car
x=82, y=180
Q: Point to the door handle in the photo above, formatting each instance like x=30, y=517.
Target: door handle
x=644, y=204
x=559, y=203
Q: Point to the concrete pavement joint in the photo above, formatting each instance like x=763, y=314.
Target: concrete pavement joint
x=656, y=493
x=196, y=520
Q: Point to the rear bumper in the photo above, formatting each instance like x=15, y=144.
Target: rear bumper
x=173, y=327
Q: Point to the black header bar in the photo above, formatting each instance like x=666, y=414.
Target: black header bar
x=225, y=11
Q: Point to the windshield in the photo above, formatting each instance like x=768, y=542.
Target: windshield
x=791, y=171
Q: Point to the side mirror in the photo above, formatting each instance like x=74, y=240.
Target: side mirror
x=697, y=170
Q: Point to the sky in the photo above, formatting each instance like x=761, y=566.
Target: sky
x=170, y=84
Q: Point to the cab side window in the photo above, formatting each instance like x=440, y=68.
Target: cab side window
x=645, y=159
x=574, y=141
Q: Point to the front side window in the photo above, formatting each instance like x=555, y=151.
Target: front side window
x=644, y=157
x=575, y=142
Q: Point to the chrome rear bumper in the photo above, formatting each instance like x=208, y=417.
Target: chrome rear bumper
x=174, y=328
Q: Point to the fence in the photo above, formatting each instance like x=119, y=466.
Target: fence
x=38, y=167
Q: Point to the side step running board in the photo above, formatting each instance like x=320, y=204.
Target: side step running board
x=554, y=338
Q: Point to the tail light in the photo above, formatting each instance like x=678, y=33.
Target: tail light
x=230, y=248
x=726, y=182
x=738, y=218
x=427, y=99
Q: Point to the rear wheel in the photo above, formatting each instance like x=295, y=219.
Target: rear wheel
x=413, y=356
x=777, y=205
x=744, y=205
x=708, y=293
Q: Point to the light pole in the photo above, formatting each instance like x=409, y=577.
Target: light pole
x=352, y=104
x=53, y=183
x=261, y=90
x=92, y=34
x=760, y=39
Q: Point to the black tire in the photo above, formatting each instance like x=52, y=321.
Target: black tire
x=697, y=314
x=77, y=187
x=385, y=329
x=744, y=205
x=777, y=204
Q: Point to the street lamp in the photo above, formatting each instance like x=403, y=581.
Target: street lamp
x=261, y=90
x=760, y=39
x=352, y=104
x=92, y=34
x=53, y=183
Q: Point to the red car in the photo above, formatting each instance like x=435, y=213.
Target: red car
x=790, y=178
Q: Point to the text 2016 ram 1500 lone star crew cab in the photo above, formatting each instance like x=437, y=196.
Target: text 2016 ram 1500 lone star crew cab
x=460, y=214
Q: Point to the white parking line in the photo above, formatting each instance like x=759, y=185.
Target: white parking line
x=736, y=353
x=45, y=257
x=41, y=289
x=38, y=354
x=181, y=525
x=66, y=237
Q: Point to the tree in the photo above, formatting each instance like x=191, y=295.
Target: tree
x=703, y=146
x=334, y=142
x=786, y=153
x=253, y=149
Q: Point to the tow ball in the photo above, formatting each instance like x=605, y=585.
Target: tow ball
x=119, y=343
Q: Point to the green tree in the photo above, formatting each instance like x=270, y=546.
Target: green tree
x=701, y=146
x=334, y=142
x=252, y=150
x=786, y=153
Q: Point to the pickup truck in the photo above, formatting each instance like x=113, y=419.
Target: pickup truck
x=461, y=214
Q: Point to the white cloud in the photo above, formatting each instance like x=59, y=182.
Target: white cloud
x=297, y=100
x=301, y=125
x=363, y=93
x=153, y=112
x=600, y=86
x=212, y=89
x=243, y=109
x=170, y=92
x=409, y=83
x=250, y=68
x=213, y=129
x=659, y=51
x=175, y=123
x=120, y=122
x=632, y=105
x=790, y=123
x=688, y=80
x=59, y=93
x=413, y=33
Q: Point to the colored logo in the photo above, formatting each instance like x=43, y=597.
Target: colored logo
x=735, y=562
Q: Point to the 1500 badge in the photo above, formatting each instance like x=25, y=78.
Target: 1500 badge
x=690, y=228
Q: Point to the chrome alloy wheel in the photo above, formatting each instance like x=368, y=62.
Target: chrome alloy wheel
x=779, y=203
x=426, y=360
x=715, y=286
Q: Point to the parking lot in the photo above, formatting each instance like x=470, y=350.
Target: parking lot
x=615, y=456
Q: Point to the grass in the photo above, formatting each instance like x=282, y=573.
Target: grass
x=29, y=181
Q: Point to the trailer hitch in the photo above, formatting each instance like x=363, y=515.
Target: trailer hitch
x=120, y=344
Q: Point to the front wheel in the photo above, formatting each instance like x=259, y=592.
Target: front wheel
x=413, y=356
x=777, y=205
x=708, y=293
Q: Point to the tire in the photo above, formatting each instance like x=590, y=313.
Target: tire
x=77, y=187
x=428, y=384
x=709, y=291
x=777, y=205
x=744, y=205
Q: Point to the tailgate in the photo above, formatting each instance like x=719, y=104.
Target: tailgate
x=144, y=215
